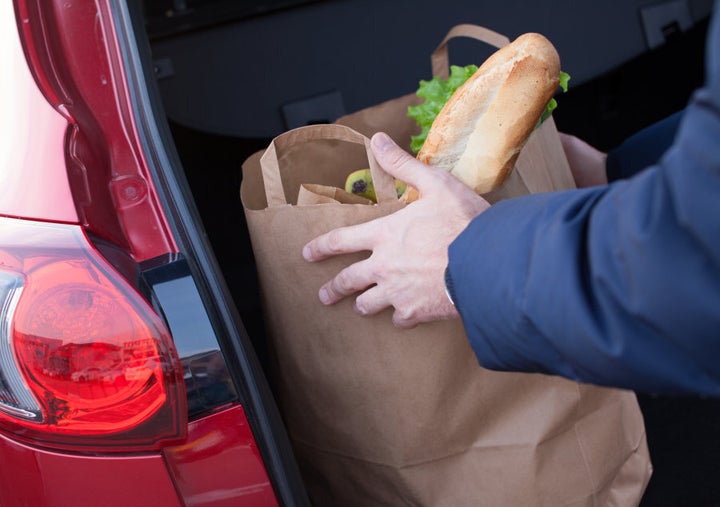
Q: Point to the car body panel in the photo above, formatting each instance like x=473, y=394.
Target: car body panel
x=220, y=464
x=77, y=65
x=41, y=189
x=34, y=476
x=71, y=152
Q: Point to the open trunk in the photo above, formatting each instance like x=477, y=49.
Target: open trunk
x=231, y=77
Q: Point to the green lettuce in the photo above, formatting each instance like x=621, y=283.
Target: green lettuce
x=552, y=105
x=436, y=93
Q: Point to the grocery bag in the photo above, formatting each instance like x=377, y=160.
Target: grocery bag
x=379, y=416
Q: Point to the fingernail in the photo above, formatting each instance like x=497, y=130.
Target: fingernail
x=324, y=296
x=382, y=141
x=357, y=309
x=306, y=253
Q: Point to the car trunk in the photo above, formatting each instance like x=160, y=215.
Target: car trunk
x=604, y=106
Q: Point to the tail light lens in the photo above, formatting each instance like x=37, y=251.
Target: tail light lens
x=85, y=362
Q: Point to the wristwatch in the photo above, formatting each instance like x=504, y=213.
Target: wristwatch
x=449, y=287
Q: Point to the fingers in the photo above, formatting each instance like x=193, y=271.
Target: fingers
x=340, y=241
x=587, y=164
x=402, y=322
x=373, y=301
x=399, y=163
x=370, y=302
x=350, y=280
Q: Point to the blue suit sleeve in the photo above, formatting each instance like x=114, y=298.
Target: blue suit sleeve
x=643, y=149
x=615, y=285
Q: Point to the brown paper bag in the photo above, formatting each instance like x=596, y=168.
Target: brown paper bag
x=381, y=416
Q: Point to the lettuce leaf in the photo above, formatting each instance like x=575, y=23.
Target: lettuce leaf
x=552, y=105
x=436, y=93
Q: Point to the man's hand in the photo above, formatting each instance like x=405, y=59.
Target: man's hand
x=587, y=164
x=409, y=248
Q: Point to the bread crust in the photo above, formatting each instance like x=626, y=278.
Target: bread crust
x=478, y=134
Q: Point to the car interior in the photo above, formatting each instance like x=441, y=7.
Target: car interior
x=233, y=75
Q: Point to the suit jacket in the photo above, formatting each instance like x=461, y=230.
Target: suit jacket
x=616, y=285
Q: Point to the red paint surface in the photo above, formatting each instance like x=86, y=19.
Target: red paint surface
x=219, y=465
x=81, y=146
x=32, y=161
x=36, y=477
x=70, y=152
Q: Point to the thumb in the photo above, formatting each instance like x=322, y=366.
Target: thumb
x=397, y=162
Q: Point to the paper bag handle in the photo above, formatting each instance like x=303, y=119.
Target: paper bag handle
x=383, y=182
x=440, y=59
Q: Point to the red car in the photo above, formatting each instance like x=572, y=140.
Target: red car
x=126, y=375
x=132, y=358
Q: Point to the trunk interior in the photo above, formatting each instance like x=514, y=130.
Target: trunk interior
x=605, y=105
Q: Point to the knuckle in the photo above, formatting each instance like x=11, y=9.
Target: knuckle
x=342, y=282
x=384, y=230
x=361, y=307
x=396, y=157
x=369, y=302
x=406, y=314
x=376, y=272
x=333, y=241
x=445, y=179
x=404, y=318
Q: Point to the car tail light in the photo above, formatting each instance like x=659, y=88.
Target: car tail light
x=85, y=362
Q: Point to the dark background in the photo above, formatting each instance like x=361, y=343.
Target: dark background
x=683, y=433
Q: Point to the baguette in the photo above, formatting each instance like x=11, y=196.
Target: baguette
x=478, y=134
